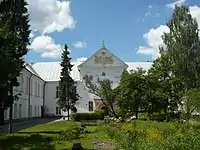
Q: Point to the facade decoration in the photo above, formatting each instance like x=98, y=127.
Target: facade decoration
x=103, y=59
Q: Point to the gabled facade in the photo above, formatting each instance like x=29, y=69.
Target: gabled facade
x=39, y=83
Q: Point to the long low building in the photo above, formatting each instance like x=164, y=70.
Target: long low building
x=39, y=84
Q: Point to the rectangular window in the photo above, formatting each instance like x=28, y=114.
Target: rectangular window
x=90, y=105
x=38, y=89
x=27, y=84
x=5, y=114
x=38, y=110
x=30, y=111
x=20, y=110
x=22, y=83
x=35, y=88
x=57, y=110
x=35, y=111
x=57, y=92
x=15, y=110
x=31, y=86
x=41, y=90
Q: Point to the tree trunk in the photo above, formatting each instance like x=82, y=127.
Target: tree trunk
x=10, y=118
x=1, y=115
x=136, y=115
x=68, y=108
x=11, y=107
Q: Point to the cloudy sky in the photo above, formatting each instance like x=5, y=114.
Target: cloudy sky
x=131, y=29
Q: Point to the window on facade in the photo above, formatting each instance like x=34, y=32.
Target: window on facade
x=41, y=90
x=90, y=105
x=57, y=110
x=35, y=111
x=20, y=110
x=30, y=110
x=38, y=110
x=27, y=84
x=5, y=114
x=38, y=89
x=15, y=110
x=35, y=88
x=57, y=92
x=31, y=84
x=22, y=83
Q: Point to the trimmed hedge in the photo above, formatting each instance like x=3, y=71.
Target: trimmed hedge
x=87, y=116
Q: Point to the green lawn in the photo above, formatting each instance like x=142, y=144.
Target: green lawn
x=137, y=135
x=58, y=135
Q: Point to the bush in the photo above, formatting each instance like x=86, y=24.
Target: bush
x=143, y=116
x=101, y=112
x=158, y=116
x=145, y=135
x=86, y=116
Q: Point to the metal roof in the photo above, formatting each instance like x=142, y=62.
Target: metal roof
x=50, y=71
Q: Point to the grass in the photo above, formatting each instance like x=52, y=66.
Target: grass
x=59, y=135
x=137, y=135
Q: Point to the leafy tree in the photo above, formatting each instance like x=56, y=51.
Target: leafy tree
x=103, y=89
x=131, y=92
x=68, y=88
x=191, y=102
x=14, y=33
x=183, y=46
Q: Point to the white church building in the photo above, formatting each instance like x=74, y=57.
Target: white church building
x=39, y=84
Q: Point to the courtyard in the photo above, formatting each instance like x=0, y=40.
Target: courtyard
x=137, y=135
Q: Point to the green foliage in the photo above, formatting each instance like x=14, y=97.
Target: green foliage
x=101, y=112
x=191, y=102
x=87, y=116
x=103, y=89
x=183, y=46
x=14, y=41
x=143, y=135
x=131, y=92
x=68, y=90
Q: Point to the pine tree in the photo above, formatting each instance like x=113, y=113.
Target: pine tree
x=68, y=90
x=14, y=32
x=183, y=46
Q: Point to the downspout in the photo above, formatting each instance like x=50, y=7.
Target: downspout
x=29, y=96
x=43, y=107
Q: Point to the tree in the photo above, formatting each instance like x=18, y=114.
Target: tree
x=103, y=89
x=191, y=102
x=14, y=32
x=68, y=88
x=131, y=92
x=183, y=47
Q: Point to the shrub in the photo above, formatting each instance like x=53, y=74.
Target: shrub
x=101, y=112
x=86, y=116
x=158, y=116
x=143, y=116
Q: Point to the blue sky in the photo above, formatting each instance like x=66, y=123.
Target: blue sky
x=121, y=24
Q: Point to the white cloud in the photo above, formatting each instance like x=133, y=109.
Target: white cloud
x=48, y=16
x=31, y=35
x=195, y=12
x=81, y=59
x=153, y=36
x=80, y=44
x=46, y=46
x=150, y=6
x=177, y=2
x=154, y=40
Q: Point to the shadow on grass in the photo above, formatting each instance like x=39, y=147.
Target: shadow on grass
x=34, y=141
x=44, y=132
